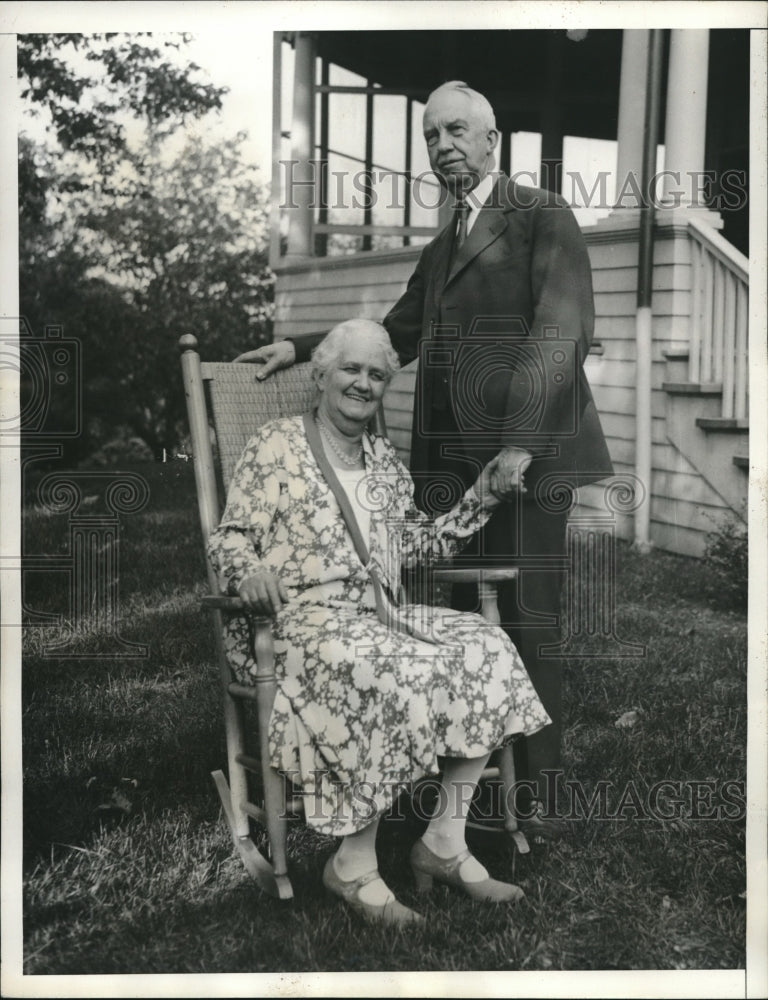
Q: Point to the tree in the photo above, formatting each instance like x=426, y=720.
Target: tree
x=186, y=244
x=126, y=245
x=87, y=114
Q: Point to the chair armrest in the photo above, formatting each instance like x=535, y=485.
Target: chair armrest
x=217, y=602
x=260, y=641
x=487, y=580
x=475, y=574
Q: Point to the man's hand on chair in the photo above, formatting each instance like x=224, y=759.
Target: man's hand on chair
x=272, y=357
x=263, y=593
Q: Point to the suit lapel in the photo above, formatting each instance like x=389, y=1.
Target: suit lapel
x=489, y=225
x=442, y=251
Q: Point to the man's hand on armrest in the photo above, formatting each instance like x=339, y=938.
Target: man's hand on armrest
x=271, y=357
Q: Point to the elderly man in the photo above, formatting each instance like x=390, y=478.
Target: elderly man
x=499, y=312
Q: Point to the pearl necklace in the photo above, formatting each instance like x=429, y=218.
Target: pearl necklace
x=349, y=460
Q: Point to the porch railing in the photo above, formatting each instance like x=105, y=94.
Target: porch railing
x=719, y=318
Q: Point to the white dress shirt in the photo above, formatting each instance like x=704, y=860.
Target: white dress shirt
x=477, y=197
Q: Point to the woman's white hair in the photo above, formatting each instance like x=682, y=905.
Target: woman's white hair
x=329, y=350
x=481, y=105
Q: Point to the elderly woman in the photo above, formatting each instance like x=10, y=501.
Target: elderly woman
x=371, y=696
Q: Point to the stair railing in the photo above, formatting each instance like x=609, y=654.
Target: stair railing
x=718, y=350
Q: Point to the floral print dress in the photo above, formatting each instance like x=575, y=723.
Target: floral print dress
x=362, y=709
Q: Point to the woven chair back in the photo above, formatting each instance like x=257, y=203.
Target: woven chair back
x=240, y=404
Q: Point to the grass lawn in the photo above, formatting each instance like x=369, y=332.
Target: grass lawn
x=128, y=867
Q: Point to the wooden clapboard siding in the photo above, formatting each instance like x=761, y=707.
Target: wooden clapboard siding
x=398, y=410
x=620, y=330
x=621, y=399
x=379, y=288
x=624, y=279
x=325, y=292
x=619, y=372
x=667, y=302
x=620, y=427
x=623, y=253
x=678, y=525
x=684, y=508
x=701, y=518
x=679, y=538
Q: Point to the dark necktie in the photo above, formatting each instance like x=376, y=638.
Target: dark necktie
x=462, y=215
x=460, y=230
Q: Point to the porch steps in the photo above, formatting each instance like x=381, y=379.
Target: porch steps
x=693, y=388
x=716, y=446
x=722, y=424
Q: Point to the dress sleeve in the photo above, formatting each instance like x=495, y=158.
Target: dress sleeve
x=424, y=539
x=235, y=546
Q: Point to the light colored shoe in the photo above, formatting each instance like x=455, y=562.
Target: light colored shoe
x=391, y=912
x=427, y=867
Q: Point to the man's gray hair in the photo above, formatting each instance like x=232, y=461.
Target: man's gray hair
x=329, y=350
x=480, y=104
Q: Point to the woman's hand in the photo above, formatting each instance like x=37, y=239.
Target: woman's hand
x=271, y=357
x=482, y=487
x=263, y=593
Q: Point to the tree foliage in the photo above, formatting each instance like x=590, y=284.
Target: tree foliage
x=186, y=243
x=129, y=243
x=131, y=79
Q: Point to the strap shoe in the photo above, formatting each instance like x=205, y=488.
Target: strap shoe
x=427, y=867
x=391, y=912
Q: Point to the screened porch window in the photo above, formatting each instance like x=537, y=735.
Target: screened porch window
x=378, y=192
x=374, y=186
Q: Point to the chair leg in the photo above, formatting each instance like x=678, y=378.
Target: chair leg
x=271, y=878
x=254, y=861
x=488, y=594
x=275, y=816
x=507, y=779
x=276, y=823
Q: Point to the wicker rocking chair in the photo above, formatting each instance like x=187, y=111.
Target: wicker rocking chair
x=238, y=404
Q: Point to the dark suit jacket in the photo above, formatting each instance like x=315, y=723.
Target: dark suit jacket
x=503, y=331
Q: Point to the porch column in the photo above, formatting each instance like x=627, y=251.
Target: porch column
x=629, y=162
x=300, y=175
x=685, y=127
x=277, y=144
x=550, y=119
